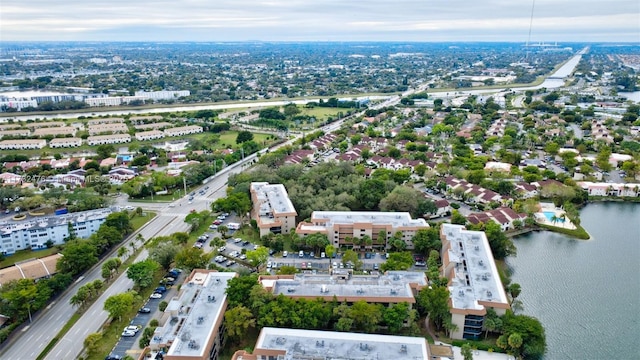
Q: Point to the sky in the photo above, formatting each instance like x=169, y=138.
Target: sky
x=320, y=20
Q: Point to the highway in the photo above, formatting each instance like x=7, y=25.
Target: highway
x=33, y=339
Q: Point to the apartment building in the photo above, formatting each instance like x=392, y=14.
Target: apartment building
x=15, y=133
x=283, y=343
x=35, y=231
x=108, y=128
x=44, y=124
x=17, y=104
x=108, y=139
x=25, y=144
x=474, y=281
x=163, y=95
x=503, y=216
x=149, y=135
x=111, y=120
x=153, y=126
x=198, y=333
x=610, y=189
x=183, y=130
x=393, y=287
x=272, y=209
x=55, y=131
x=341, y=227
x=65, y=142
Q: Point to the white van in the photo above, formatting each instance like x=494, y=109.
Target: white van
x=301, y=254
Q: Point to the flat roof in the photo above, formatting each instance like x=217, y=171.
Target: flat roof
x=273, y=199
x=42, y=222
x=197, y=309
x=393, y=286
x=315, y=344
x=480, y=281
x=396, y=219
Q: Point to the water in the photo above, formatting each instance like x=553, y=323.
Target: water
x=550, y=214
x=586, y=293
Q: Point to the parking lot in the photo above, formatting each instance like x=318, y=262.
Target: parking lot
x=142, y=320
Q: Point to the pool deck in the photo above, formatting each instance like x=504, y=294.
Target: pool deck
x=541, y=218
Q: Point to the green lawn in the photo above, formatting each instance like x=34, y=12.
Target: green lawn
x=27, y=254
x=322, y=113
x=138, y=221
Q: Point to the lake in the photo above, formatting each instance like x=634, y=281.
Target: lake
x=586, y=293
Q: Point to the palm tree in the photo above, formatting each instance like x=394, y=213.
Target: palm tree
x=554, y=219
x=223, y=229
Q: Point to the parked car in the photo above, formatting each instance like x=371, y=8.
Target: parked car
x=222, y=249
x=113, y=357
x=161, y=289
x=322, y=255
x=213, y=227
x=301, y=254
x=285, y=253
x=133, y=328
x=144, y=310
x=156, y=296
x=243, y=257
x=128, y=333
x=269, y=265
x=230, y=262
x=237, y=240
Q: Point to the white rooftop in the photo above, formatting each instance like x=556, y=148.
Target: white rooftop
x=43, y=222
x=273, y=199
x=393, y=284
x=476, y=276
x=197, y=310
x=315, y=344
x=396, y=219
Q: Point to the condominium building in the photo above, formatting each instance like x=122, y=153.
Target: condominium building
x=55, y=131
x=183, y=130
x=65, y=142
x=290, y=344
x=393, y=287
x=108, y=128
x=146, y=118
x=341, y=227
x=149, y=135
x=105, y=121
x=163, y=95
x=17, y=104
x=44, y=124
x=108, y=139
x=272, y=208
x=474, y=281
x=192, y=325
x=35, y=231
x=153, y=126
x=25, y=144
x=16, y=133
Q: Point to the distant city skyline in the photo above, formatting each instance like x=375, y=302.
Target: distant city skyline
x=329, y=20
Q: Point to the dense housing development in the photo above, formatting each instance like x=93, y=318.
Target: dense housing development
x=272, y=208
x=342, y=226
x=36, y=231
x=279, y=343
x=191, y=327
x=474, y=282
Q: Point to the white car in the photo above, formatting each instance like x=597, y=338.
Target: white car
x=322, y=255
x=156, y=296
x=243, y=257
x=285, y=254
x=237, y=240
x=222, y=249
x=269, y=265
x=128, y=333
x=129, y=207
x=132, y=328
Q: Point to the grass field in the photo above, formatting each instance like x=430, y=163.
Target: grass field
x=27, y=254
x=322, y=113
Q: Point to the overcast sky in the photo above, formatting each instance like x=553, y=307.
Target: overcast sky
x=320, y=20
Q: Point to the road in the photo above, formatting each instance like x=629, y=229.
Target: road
x=33, y=339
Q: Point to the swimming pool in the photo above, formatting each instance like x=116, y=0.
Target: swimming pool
x=550, y=214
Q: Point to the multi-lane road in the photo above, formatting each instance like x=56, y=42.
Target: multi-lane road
x=170, y=219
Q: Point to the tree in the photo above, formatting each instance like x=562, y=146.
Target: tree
x=351, y=256
x=466, y=352
x=92, y=342
x=223, y=229
x=192, y=258
x=434, y=301
x=398, y=261
x=105, y=151
x=287, y=270
x=501, y=245
x=457, y=218
x=162, y=305
x=237, y=321
x=244, y=136
x=426, y=240
x=118, y=305
x=395, y=317
x=164, y=253
x=329, y=251
x=239, y=289
x=78, y=256
x=142, y=273
x=17, y=297
x=514, y=290
x=258, y=257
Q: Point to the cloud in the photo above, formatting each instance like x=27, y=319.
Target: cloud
x=411, y=20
